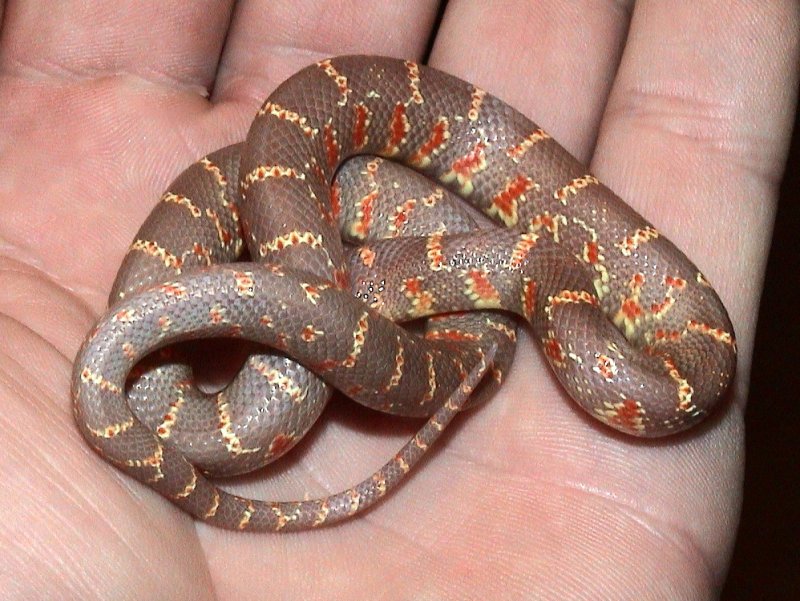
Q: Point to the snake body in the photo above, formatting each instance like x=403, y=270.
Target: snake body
x=631, y=328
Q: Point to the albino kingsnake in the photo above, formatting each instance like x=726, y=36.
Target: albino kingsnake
x=631, y=328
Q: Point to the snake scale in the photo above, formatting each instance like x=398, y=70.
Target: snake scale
x=630, y=327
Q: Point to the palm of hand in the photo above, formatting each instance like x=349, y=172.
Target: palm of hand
x=526, y=494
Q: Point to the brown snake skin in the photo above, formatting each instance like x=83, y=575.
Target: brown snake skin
x=631, y=328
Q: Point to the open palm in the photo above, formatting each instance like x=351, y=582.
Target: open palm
x=682, y=108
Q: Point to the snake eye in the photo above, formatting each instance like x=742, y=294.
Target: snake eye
x=369, y=292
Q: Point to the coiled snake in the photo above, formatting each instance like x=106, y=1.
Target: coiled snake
x=631, y=328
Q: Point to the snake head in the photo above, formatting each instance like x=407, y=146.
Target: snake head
x=370, y=292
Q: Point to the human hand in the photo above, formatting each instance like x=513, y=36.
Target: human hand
x=104, y=104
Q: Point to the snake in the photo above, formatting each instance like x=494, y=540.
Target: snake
x=264, y=242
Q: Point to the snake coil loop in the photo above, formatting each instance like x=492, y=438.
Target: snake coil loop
x=631, y=328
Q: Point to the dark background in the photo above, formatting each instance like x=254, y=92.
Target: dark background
x=766, y=561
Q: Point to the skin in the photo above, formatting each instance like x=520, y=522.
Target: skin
x=683, y=108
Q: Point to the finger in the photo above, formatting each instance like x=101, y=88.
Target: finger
x=171, y=42
x=552, y=60
x=696, y=134
x=270, y=40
